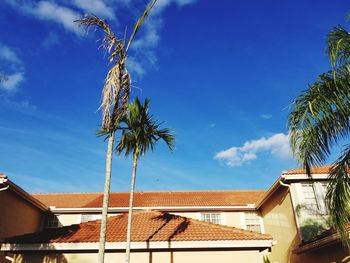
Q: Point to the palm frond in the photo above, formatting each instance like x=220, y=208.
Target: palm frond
x=140, y=21
x=319, y=118
x=116, y=90
x=143, y=131
x=338, y=195
x=338, y=46
x=110, y=43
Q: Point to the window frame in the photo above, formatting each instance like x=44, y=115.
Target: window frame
x=210, y=219
x=258, y=221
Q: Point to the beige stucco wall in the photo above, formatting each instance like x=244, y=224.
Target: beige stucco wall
x=69, y=219
x=253, y=256
x=279, y=221
x=235, y=219
x=18, y=216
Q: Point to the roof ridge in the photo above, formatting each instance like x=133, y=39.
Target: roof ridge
x=62, y=193
x=151, y=191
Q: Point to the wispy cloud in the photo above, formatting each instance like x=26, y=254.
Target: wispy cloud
x=64, y=13
x=12, y=81
x=49, y=11
x=97, y=7
x=277, y=145
x=12, y=67
x=266, y=116
x=9, y=55
x=144, y=46
x=50, y=40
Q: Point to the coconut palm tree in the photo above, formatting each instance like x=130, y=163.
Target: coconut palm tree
x=141, y=135
x=320, y=118
x=115, y=97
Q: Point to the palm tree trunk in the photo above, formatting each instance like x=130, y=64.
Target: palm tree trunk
x=103, y=232
x=128, y=233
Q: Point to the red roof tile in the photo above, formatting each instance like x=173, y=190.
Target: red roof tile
x=146, y=226
x=314, y=170
x=153, y=199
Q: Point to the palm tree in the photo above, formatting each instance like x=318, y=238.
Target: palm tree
x=319, y=119
x=115, y=97
x=141, y=135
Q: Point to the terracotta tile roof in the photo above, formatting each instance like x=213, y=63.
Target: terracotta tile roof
x=314, y=170
x=153, y=199
x=146, y=226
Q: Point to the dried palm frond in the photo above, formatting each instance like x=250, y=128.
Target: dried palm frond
x=118, y=80
x=116, y=90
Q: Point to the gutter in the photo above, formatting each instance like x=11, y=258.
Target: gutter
x=180, y=245
x=318, y=244
x=3, y=180
x=20, y=192
x=249, y=207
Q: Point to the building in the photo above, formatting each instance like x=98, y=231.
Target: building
x=287, y=222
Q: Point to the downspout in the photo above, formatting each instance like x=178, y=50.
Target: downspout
x=4, y=188
x=294, y=208
x=4, y=180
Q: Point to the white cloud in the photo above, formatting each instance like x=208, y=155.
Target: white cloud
x=12, y=81
x=148, y=39
x=277, y=145
x=97, y=7
x=135, y=67
x=11, y=67
x=266, y=116
x=65, y=12
x=50, y=11
x=7, y=54
x=53, y=12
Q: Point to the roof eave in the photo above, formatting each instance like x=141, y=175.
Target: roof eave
x=80, y=246
x=23, y=194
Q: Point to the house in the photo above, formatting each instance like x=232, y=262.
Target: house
x=156, y=237
x=287, y=222
x=20, y=212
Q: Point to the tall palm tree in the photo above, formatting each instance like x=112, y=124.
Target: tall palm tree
x=319, y=119
x=141, y=135
x=115, y=97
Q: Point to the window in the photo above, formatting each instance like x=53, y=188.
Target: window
x=253, y=222
x=211, y=217
x=309, y=198
x=51, y=221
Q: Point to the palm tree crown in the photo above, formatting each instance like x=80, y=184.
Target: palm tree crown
x=319, y=120
x=142, y=131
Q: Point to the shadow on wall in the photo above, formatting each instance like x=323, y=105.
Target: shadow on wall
x=312, y=228
x=35, y=257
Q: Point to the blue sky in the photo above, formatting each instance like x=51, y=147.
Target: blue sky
x=220, y=75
